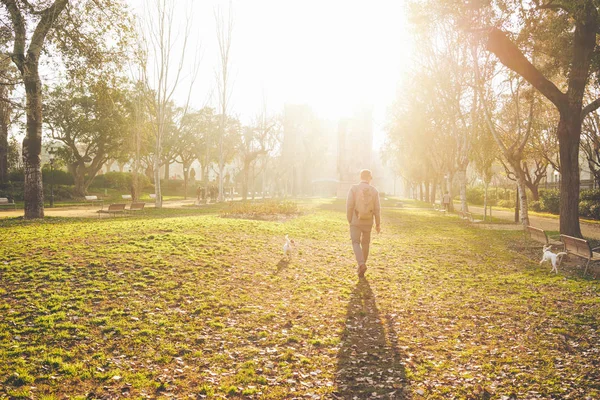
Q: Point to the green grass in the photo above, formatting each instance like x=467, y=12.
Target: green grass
x=184, y=303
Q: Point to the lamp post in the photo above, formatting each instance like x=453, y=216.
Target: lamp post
x=51, y=177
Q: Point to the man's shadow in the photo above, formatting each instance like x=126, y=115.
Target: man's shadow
x=368, y=360
x=282, y=264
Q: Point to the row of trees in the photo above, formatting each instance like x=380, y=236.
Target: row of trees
x=110, y=96
x=503, y=80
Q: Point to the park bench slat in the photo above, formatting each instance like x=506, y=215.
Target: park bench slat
x=540, y=235
x=118, y=208
x=137, y=206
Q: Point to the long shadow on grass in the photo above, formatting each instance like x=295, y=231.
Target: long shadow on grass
x=282, y=264
x=369, y=361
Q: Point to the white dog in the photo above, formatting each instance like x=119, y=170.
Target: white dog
x=287, y=247
x=555, y=259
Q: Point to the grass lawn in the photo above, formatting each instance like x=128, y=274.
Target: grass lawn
x=187, y=304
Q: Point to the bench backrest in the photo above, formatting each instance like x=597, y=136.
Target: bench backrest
x=137, y=206
x=537, y=234
x=126, y=196
x=3, y=200
x=116, y=207
x=91, y=197
x=577, y=246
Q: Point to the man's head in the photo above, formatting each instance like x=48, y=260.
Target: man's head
x=365, y=175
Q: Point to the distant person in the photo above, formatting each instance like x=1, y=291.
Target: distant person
x=362, y=206
x=446, y=201
x=198, y=194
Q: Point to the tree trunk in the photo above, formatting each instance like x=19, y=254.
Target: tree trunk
x=3, y=148
x=33, y=193
x=245, y=182
x=167, y=171
x=535, y=191
x=221, y=155
x=569, y=130
x=427, y=198
x=523, y=200
x=4, y=123
x=433, y=190
x=157, y=188
x=485, y=199
x=79, y=179
x=450, y=193
x=462, y=181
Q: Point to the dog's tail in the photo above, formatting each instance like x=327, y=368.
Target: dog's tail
x=562, y=253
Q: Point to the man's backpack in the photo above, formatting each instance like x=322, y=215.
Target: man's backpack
x=364, y=204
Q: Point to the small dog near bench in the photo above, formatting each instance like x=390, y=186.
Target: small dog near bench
x=555, y=259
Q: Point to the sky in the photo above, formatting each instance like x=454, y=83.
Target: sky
x=333, y=55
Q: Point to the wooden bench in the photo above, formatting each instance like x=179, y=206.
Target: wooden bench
x=540, y=235
x=115, y=209
x=5, y=203
x=136, y=207
x=580, y=248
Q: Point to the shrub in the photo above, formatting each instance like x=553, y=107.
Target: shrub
x=475, y=195
x=584, y=208
x=119, y=181
x=57, y=176
x=535, y=205
x=506, y=203
x=595, y=210
x=592, y=195
x=61, y=192
x=550, y=200
x=16, y=175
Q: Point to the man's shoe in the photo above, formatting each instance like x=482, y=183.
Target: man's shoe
x=361, y=270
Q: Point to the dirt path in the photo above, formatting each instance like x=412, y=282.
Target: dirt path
x=86, y=211
x=549, y=224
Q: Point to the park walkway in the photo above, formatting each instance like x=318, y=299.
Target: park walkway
x=87, y=210
x=589, y=230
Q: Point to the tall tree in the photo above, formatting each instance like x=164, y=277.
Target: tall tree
x=27, y=57
x=256, y=142
x=224, y=36
x=162, y=73
x=93, y=123
x=573, y=26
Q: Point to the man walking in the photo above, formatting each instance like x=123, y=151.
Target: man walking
x=446, y=201
x=362, y=206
